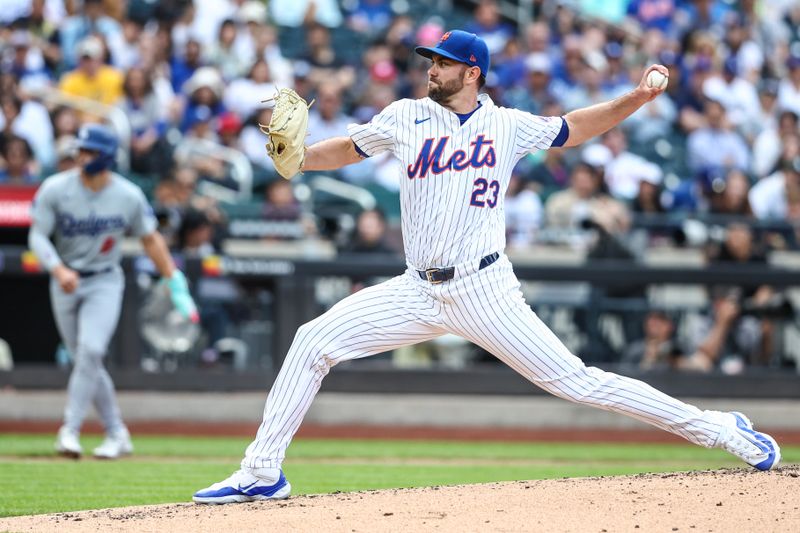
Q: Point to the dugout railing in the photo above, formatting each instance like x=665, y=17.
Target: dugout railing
x=285, y=293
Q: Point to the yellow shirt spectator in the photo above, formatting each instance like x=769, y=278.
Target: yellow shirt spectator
x=105, y=86
x=92, y=79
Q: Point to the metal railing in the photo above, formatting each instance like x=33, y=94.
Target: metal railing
x=114, y=116
x=363, y=198
x=240, y=169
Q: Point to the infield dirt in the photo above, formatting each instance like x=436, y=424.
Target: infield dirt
x=720, y=500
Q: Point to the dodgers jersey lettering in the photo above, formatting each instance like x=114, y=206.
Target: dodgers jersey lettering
x=86, y=227
x=454, y=177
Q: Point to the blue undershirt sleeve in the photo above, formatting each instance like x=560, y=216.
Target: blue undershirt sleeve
x=361, y=152
x=563, y=134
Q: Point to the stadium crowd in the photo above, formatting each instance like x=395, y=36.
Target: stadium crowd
x=722, y=141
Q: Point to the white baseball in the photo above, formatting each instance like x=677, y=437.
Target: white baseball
x=657, y=80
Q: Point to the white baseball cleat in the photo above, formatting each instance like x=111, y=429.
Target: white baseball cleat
x=755, y=448
x=242, y=486
x=67, y=443
x=115, y=445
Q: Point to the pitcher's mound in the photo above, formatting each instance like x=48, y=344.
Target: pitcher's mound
x=720, y=500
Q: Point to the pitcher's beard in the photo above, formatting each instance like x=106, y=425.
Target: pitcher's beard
x=442, y=92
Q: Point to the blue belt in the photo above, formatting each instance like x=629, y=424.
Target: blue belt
x=440, y=275
x=90, y=273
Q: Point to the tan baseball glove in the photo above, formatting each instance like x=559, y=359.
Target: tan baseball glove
x=287, y=132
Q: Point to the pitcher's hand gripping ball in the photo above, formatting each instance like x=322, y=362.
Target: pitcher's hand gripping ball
x=657, y=80
x=287, y=132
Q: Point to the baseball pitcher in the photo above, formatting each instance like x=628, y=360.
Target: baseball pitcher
x=79, y=219
x=456, y=150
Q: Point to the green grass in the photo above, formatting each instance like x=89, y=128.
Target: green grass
x=170, y=469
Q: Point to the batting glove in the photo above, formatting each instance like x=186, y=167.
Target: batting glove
x=181, y=299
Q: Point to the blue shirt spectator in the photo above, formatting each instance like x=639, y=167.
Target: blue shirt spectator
x=488, y=26
x=716, y=146
x=92, y=20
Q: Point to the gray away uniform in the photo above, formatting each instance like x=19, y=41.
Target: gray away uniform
x=86, y=229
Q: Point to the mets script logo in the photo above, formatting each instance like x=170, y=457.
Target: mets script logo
x=430, y=157
x=92, y=225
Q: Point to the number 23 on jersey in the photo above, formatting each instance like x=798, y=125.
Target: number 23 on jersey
x=484, y=193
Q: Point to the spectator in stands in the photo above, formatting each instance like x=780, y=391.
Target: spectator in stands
x=326, y=65
x=649, y=198
x=149, y=151
x=243, y=95
x=195, y=236
x=730, y=196
x=175, y=195
x=370, y=235
x=204, y=92
x=65, y=122
x=128, y=54
x=623, y=168
x=618, y=79
x=690, y=99
x=736, y=94
x=769, y=144
x=370, y=17
x=155, y=51
x=766, y=136
x=789, y=90
x=659, y=349
x=199, y=123
x=282, y=206
x=18, y=165
x=777, y=197
x=24, y=61
x=28, y=119
x=591, y=78
x=703, y=14
x=91, y=20
x=42, y=25
x=551, y=174
x=748, y=55
x=584, y=201
x=326, y=118
x=716, y=146
x=487, y=24
x=93, y=79
x=185, y=65
x=734, y=337
x=252, y=141
x=508, y=65
x=224, y=56
x=265, y=46
x=228, y=127
x=295, y=13
x=653, y=14
x=524, y=212
x=66, y=152
x=537, y=91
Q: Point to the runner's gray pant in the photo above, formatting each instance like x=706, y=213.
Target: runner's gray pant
x=86, y=320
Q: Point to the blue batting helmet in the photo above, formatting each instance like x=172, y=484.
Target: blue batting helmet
x=100, y=139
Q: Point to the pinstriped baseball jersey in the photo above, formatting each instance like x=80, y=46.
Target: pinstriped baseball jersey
x=86, y=227
x=454, y=176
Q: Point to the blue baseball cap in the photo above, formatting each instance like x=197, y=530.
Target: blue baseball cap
x=460, y=46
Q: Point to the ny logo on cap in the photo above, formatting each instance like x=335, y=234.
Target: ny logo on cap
x=444, y=37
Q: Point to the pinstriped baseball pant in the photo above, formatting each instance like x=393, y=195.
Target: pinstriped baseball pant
x=483, y=306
